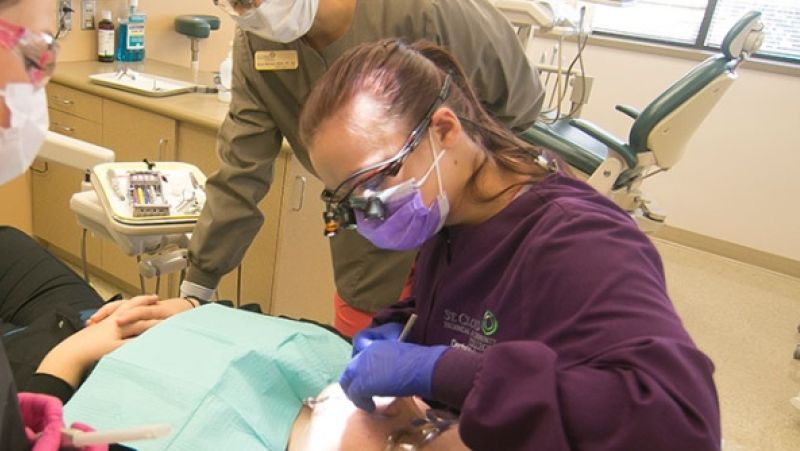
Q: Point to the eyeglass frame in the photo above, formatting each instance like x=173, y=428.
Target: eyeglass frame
x=343, y=208
x=25, y=43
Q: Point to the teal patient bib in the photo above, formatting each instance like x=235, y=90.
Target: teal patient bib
x=222, y=378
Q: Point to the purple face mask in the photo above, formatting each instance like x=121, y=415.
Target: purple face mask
x=408, y=222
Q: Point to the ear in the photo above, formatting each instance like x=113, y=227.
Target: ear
x=446, y=126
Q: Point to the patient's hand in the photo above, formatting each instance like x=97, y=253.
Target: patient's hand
x=119, y=306
x=71, y=358
x=138, y=314
x=133, y=319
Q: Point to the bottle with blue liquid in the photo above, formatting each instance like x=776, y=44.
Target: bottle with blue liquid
x=130, y=35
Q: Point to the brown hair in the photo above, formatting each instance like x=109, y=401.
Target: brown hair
x=407, y=78
x=6, y=3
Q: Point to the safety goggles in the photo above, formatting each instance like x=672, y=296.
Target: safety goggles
x=354, y=193
x=38, y=51
x=235, y=8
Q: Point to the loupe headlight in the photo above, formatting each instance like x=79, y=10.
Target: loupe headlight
x=341, y=215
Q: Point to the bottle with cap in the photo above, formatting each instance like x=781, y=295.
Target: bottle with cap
x=130, y=39
x=105, y=38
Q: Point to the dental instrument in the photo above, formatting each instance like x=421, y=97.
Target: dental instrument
x=407, y=328
x=313, y=401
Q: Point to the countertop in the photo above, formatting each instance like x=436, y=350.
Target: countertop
x=200, y=109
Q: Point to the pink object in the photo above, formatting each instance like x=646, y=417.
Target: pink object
x=43, y=418
x=86, y=428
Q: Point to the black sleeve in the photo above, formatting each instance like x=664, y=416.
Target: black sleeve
x=50, y=385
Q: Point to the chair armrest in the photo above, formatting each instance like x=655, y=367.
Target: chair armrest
x=606, y=138
x=629, y=111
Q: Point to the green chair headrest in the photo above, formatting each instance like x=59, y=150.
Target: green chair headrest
x=196, y=25
x=746, y=35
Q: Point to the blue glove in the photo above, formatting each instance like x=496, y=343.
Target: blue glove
x=388, y=331
x=390, y=368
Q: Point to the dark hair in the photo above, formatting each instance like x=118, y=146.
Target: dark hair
x=6, y=3
x=407, y=78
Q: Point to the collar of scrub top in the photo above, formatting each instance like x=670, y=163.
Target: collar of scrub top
x=235, y=8
x=341, y=203
x=38, y=50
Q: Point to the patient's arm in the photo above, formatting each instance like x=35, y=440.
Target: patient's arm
x=337, y=424
x=71, y=358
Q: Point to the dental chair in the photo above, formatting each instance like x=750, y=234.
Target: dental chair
x=659, y=133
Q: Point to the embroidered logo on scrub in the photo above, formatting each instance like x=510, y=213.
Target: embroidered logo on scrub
x=489, y=323
x=471, y=332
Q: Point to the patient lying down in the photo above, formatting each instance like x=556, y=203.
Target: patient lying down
x=228, y=379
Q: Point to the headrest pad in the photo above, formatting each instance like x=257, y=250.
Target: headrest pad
x=196, y=25
x=745, y=37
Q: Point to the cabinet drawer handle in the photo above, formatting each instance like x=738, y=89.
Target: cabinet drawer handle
x=162, y=144
x=40, y=171
x=64, y=128
x=300, y=202
x=64, y=101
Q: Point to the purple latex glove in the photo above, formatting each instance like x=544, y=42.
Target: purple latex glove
x=388, y=331
x=390, y=368
x=43, y=418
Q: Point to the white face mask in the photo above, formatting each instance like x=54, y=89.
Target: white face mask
x=280, y=20
x=20, y=142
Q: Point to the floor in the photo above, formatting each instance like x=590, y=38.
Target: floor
x=744, y=318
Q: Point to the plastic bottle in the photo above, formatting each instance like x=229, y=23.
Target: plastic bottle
x=225, y=78
x=105, y=38
x=130, y=36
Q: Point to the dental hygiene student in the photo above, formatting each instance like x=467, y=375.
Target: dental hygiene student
x=45, y=350
x=543, y=315
x=281, y=48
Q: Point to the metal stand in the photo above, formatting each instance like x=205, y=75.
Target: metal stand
x=239, y=286
x=141, y=277
x=84, y=262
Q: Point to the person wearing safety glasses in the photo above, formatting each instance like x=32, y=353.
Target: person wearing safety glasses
x=542, y=314
x=281, y=48
x=45, y=349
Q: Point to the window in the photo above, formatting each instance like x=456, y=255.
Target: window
x=703, y=23
x=781, y=21
x=668, y=20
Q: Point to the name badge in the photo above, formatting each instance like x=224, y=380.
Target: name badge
x=276, y=60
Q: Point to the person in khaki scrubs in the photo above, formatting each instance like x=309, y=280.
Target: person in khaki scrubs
x=280, y=49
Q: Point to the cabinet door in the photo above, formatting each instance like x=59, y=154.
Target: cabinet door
x=133, y=135
x=53, y=221
x=304, y=285
x=53, y=185
x=197, y=145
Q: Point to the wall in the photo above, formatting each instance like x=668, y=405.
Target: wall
x=161, y=41
x=738, y=179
